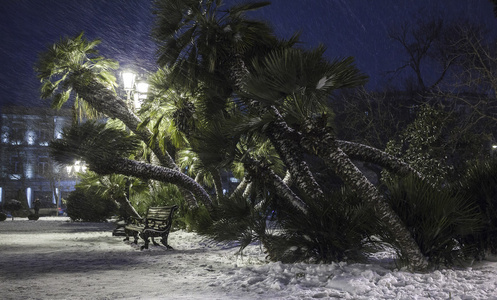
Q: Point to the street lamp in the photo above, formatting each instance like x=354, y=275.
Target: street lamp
x=137, y=88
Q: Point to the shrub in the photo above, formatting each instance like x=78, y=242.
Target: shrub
x=167, y=194
x=439, y=220
x=334, y=229
x=480, y=185
x=88, y=206
x=3, y=216
x=16, y=209
x=234, y=219
x=193, y=219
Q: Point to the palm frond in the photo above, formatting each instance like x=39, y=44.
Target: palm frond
x=289, y=71
x=94, y=143
x=69, y=61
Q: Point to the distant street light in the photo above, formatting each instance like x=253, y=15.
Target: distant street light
x=136, y=89
x=76, y=168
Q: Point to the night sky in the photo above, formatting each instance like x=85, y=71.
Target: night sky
x=357, y=28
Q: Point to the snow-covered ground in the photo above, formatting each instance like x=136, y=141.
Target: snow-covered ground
x=53, y=258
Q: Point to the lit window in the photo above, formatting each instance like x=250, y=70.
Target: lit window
x=5, y=137
x=30, y=137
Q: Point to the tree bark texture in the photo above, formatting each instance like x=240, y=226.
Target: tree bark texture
x=148, y=171
x=323, y=144
x=256, y=168
x=287, y=144
x=373, y=155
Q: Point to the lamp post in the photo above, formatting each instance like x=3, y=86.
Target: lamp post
x=136, y=89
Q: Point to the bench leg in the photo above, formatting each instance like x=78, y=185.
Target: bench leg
x=164, y=241
x=134, y=234
x=154, y=242
x=144, y=236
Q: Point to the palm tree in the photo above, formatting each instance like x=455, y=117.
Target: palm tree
x=199, y=37
x=199, y=132
x=207, y=44
x=204, y=43
x=173, y=114
x=73, y=66
x=106, y=151
x=299, y=83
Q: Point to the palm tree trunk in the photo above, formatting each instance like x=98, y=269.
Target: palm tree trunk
x=322, y=143
x=239, y=188
x=249, y=190
x=218, y=185
x=373, y=155
x=288, y=179
x=257, y=168
x=148, y=171
x=283, y=137
x=286, y=143
x=105, y=101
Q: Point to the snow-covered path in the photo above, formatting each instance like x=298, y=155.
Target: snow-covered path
x=55, y=259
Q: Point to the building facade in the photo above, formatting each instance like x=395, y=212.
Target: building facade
x=27, y=170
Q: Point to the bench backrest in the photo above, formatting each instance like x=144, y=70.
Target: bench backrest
x=163, y=213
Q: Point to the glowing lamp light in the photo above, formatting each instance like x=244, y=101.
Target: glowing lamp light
x=128, y=80
x=142, y=87
x=494, y=147
x=76, y=167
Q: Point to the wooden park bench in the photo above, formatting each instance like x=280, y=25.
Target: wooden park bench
x=156, y=223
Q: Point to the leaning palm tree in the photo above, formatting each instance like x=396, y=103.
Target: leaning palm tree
x=192, y=28
x=73, y=66
x=299, y=84
x=106, y=150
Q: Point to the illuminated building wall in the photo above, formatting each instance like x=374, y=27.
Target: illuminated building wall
x=27, y=171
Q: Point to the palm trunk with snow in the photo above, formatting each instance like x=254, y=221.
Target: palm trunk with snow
x=256, y=167
x=322, y=143
x=381, y=158
x=148, y=171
